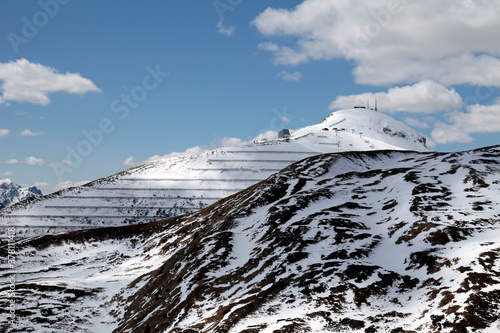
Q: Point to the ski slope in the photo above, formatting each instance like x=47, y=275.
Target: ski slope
x=176, y=186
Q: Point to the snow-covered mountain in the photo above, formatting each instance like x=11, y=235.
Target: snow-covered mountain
x=11, y=193
x=175, y=186
x=381, y=241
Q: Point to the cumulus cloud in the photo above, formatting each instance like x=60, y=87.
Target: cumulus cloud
x=28, y=132
x=223, y=30
x=28, y=82
x=32, y=160
x=477, y=119
x=12, y=161
x=296, y=76
x=422, y=97
x=391, y=42
x=4, y=132
x=41, y=184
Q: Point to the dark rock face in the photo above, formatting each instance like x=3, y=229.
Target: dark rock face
x=365, y=242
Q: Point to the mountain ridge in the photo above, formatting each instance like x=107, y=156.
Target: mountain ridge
x=390, y=241
x=170, y=187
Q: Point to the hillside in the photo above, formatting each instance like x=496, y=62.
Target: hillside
x=11, y=193
x=381, y=241
x=171, y=187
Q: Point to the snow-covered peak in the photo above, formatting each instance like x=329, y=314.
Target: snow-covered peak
x=11, y=193
x=370, y=125
x=6, y=183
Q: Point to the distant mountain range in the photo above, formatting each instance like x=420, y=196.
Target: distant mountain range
x=375, y=241
x=11, y=193
x=171, y=187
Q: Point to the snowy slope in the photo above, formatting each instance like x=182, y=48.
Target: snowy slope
x=383, y=241
x=376, y=129
x=171, y=187
x=11, y=193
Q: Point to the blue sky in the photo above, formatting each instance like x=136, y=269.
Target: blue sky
x=89, y=88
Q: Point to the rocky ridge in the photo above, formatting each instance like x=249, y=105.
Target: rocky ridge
x=381, y=241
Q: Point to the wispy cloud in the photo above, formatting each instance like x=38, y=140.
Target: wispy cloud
x=12, y=161
x=223, y=30
x=416, y=123
x=28, y=82
x=296, y=76
x=28, y=132
x=4, y=132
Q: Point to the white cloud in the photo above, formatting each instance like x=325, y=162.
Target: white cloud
x=41, y=184
x=269, y=135
x=391, y=42
x=68, y=184
x=58, y=165
x=224, y=142
x=28, y=132
x=63, y=185
x=130, y=162
x=478, y=119
x=32, y=160
x=227, y=141
x=190, y=151
x=24, y=81
x=82, y=183
x=12, y=161
x=422, y=97
x=223, y=30
x=4, y=132
x=7, y=173
x=296, y=76
x=268, y=46
x=416, y=123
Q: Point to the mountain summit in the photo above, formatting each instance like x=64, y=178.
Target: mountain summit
x=174, y=186
x=11, y=193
